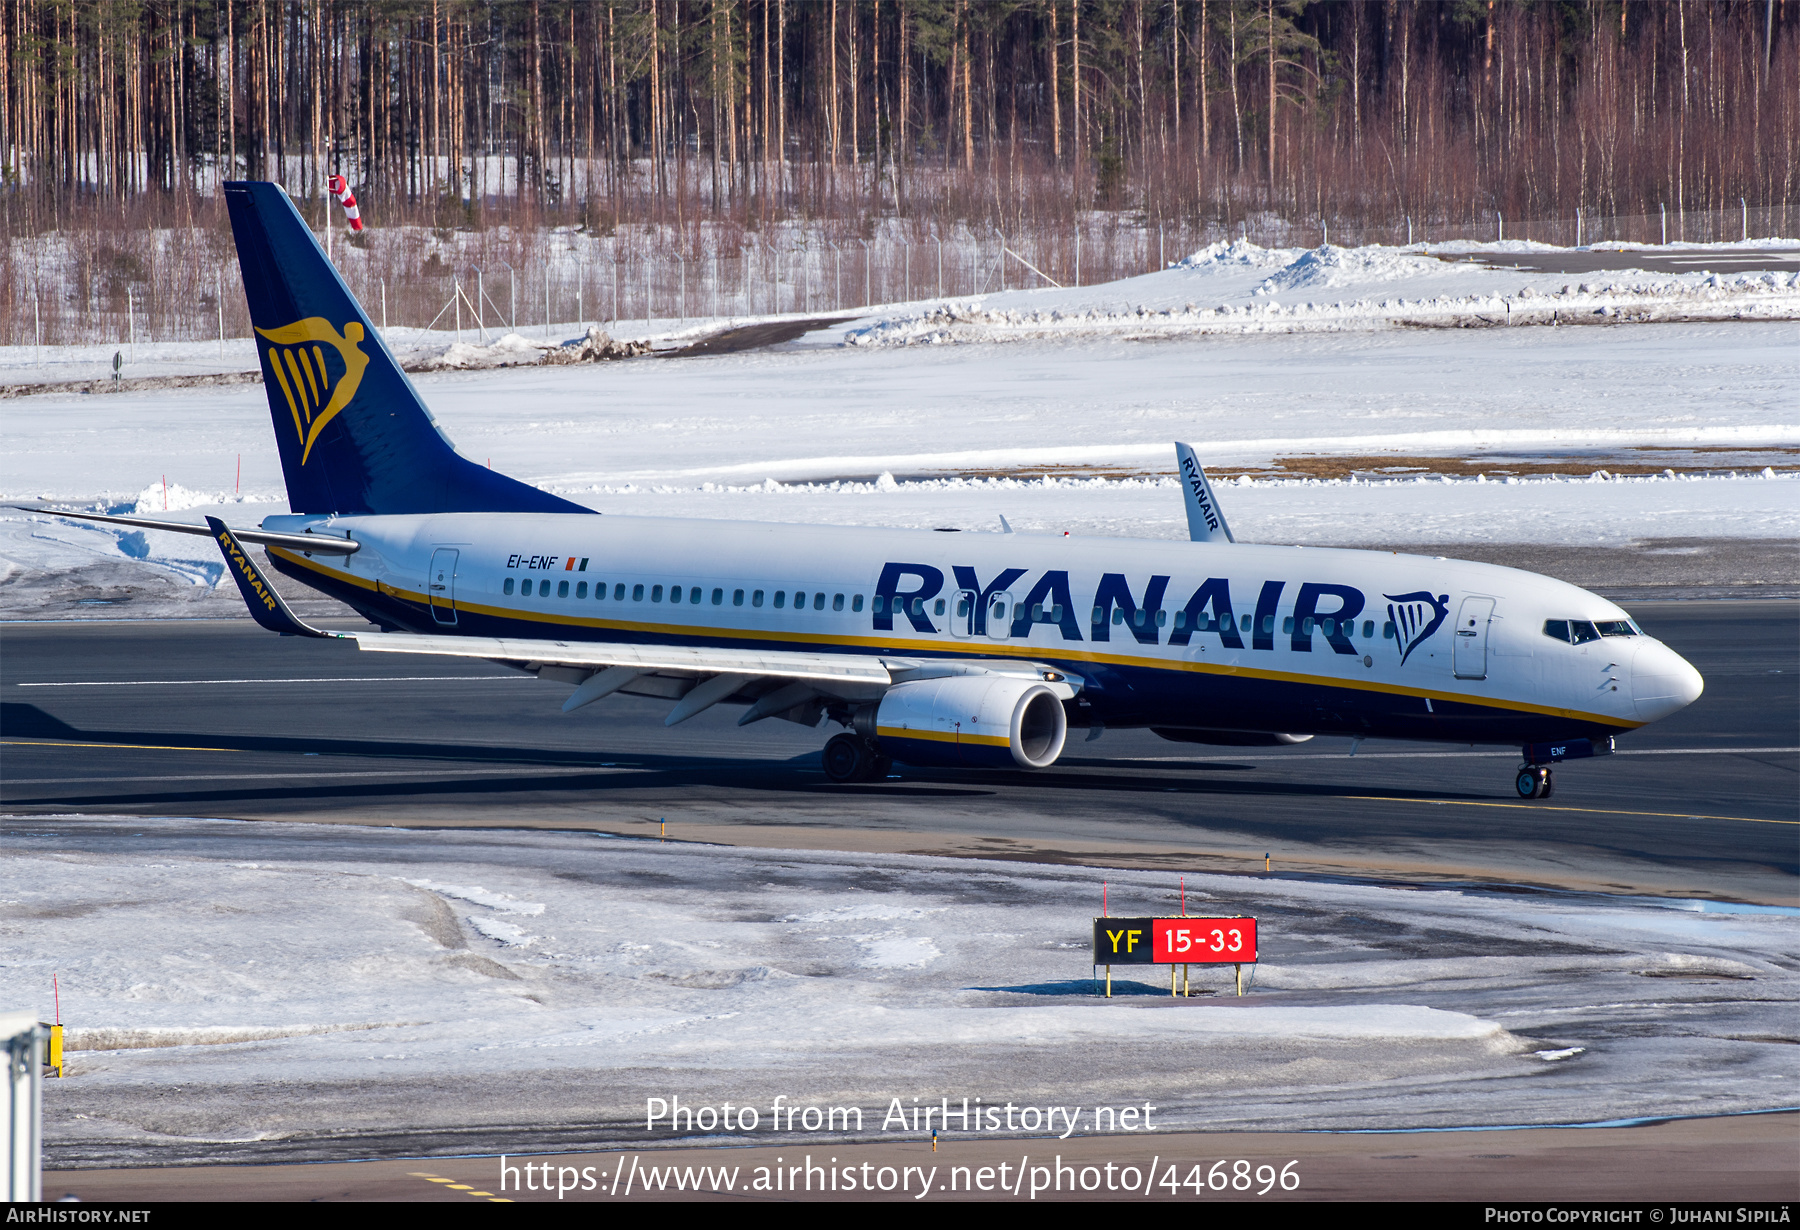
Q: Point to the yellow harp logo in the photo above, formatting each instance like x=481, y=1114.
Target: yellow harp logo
x=315, y=388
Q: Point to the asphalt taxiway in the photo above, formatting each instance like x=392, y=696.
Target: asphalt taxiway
x=221, y=719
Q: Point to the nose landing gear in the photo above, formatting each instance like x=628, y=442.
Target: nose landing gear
x=1535, y=782
x=852, y=758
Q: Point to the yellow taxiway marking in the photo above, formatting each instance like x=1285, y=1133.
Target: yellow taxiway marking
x=453, y=1185
x=1592, y=811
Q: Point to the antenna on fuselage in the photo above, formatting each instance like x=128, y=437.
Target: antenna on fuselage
x=1206, y=520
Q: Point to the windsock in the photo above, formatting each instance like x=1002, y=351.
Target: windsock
x=339, y=187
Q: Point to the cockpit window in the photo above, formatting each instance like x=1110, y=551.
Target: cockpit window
x=1580, y=631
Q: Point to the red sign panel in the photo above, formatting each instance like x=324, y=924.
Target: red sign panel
x=1203, y=941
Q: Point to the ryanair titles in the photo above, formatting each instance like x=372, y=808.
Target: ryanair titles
x=921, y=598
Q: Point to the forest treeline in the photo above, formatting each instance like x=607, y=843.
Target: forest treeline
x=998, y=112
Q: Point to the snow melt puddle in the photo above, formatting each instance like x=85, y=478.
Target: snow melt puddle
x=479, y=896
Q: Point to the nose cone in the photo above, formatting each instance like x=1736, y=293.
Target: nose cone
x=1662, y=682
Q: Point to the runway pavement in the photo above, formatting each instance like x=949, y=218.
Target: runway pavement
x=216, y=718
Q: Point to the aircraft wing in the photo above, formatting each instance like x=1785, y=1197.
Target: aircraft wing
x=778, y=682
x=647, y=659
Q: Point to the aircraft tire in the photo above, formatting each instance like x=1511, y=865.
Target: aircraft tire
x=1549, y=787
x=1530, y=783
x=845, y=758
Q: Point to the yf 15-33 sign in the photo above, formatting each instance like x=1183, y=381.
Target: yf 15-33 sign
x=1174, y=941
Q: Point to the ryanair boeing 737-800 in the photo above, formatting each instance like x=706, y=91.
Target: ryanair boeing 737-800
x=927, y=648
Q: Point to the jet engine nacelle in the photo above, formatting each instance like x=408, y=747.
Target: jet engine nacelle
x=989, y=720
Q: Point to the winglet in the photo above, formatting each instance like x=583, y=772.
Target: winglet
x=1206, y=521
x=266, y=606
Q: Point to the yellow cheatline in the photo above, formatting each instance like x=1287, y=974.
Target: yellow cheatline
x=1592, y=811
x=941, y=736
x=136, y=747
x=889, y=645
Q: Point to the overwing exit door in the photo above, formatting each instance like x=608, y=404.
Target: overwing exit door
x=441, y=585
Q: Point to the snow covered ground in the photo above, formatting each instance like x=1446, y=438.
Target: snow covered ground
x=305, y=981
x=1056, y=411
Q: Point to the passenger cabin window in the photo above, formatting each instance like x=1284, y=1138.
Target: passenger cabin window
x=737, y=597
x=718, y=597
x=507, y=586
x=581, y=589
x=637, y=593
x=544, y=588
x=562, y=589
x=880, y=606
x=856, y=603
x=837, y=602
x=780, y=598
x=819, y=601
x=938, y=607
x=756, y=598
x=656, y=593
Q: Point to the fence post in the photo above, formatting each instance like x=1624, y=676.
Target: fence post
x=1578, y=226
x=219, y=302
x=1500, y=225
x=1663, y=210
x=37, y=324
x=1745, y=206
x=868, y=283
x=940, y=247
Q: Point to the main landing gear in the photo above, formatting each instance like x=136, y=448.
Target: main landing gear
x=1535, y=782
x=852, y=758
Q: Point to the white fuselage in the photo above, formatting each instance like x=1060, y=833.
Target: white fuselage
x=1167, y=634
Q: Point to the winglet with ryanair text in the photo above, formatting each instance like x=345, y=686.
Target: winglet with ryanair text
x=266, y=606
x=1206, y=520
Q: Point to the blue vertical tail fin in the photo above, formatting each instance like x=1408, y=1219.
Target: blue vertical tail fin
x=354, y=436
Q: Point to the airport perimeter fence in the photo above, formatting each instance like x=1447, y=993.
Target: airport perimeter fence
x=639, y=281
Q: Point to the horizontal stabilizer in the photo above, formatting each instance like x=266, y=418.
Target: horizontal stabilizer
x=310, y=544
x=1206, y=521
